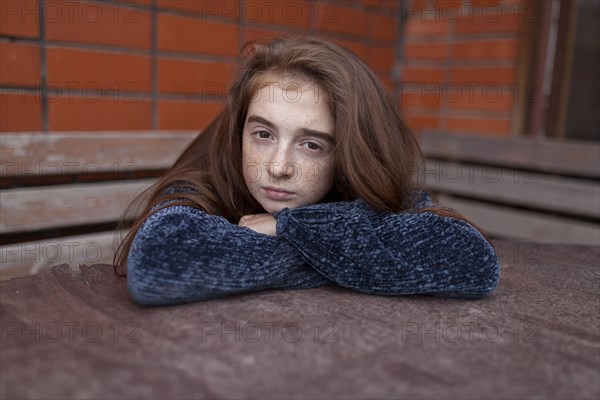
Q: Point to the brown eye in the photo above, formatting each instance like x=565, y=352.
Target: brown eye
x=262, y=134
x=312, y=146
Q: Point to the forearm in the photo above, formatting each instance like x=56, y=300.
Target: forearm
x=181, y=254
x=391, y=253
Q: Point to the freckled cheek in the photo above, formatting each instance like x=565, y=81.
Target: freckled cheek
x=318, y=175
x=249, y=152
x=326, y=170
x=255, y=156
x=251, y=165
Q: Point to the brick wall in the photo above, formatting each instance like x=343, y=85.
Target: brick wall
x=165, y=64
x=155, y=64
x=461, y=65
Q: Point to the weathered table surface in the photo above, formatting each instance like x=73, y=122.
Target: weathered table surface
x=68, y=334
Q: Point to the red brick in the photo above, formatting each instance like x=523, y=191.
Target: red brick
x=498, y=75
x=417, y=96
x=387, y=81
x=19, y=18
x=373, y=3
x=335, y=18
x=416, y=6
x=450, y=10
x=360, y=49
x=418, y=123
x=483, y=3
x=490, y=49
x=480, y=126
x=383, y=27
x=493, y=20
x=391, y=5
x=196, y=36
x=381, y=5
x=20, y=112
x=182, y=76
x=20, y=64
x=187, y=114
x=195, y=6
x=218, y=9
x=283, y=12
x=429, y=51
x=422, y=75
x=417, y=25
x=76, y=113
x=97, y=23
x=481, y=97
x=251, y=34
x=381, y=58
x=109, y=71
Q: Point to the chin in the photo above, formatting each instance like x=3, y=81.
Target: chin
x=274, y=208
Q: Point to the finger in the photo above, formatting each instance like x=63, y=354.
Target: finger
x=246, y=219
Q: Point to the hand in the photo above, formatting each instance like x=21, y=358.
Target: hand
x=261, y=223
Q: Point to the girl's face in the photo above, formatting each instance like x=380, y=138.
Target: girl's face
x=287, y=144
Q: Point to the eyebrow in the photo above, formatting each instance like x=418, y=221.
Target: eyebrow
x=305, y=131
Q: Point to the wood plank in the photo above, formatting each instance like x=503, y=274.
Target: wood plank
x=81, y=152
x=511, y=223
x=536, y=336
x=33, y=257
x=578, y=158
x=552, y=193
x=30, y=209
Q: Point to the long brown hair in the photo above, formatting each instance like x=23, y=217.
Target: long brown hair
x=377, y=157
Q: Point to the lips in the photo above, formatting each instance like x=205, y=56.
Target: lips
x=277, y=194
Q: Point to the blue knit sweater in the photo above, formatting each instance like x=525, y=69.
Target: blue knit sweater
x=182, y=254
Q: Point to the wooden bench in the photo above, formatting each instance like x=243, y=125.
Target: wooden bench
x=62, y=194
x=543, y=191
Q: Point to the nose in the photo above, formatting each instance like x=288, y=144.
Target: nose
x=281, y=164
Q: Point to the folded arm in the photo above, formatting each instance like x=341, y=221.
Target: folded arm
x=182, y=254
x=374, y=252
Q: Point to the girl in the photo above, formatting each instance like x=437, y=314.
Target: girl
x=308, y=177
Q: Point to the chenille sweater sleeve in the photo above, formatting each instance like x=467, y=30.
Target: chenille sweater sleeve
x=182, y=254
x=376, y=252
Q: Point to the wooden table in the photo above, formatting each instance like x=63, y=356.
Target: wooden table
x=76, y=334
